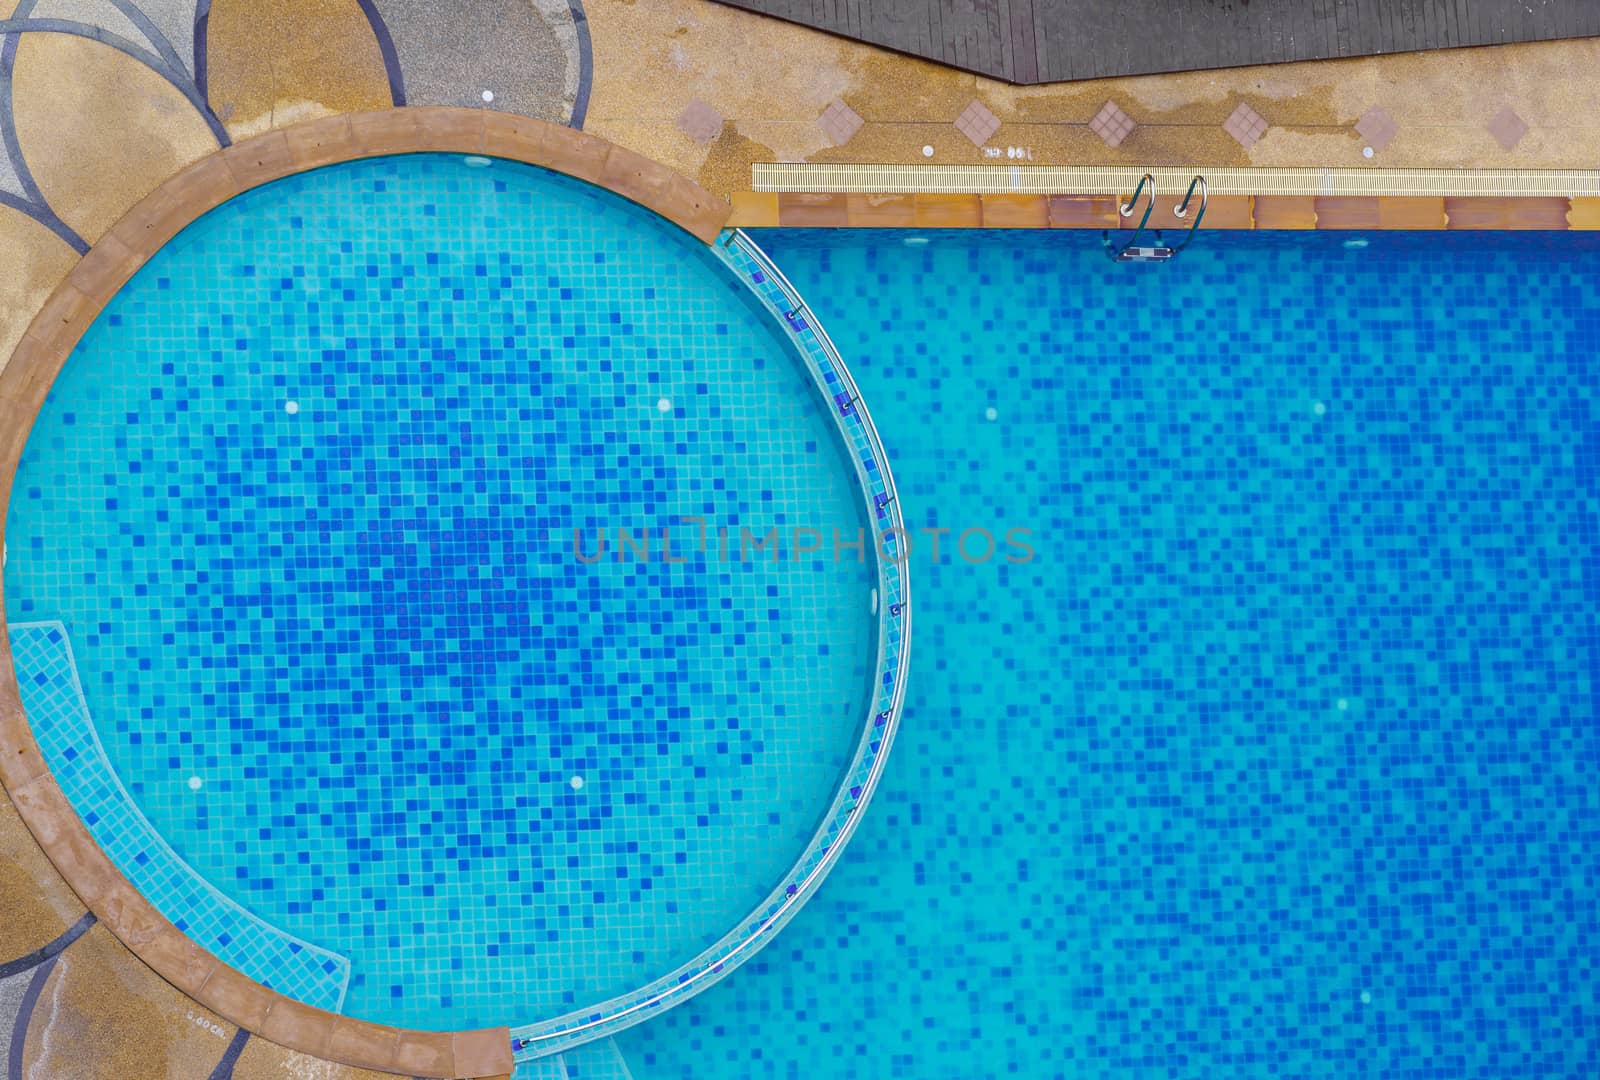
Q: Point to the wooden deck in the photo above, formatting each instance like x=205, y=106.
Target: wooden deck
x=1037, y=41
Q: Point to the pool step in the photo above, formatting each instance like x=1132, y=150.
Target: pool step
x=549, y=1068
x=52, y=694
x=596, y=1061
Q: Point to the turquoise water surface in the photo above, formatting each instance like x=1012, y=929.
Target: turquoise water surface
x=1279, y=759
x=367, y=512
x=1252, y=722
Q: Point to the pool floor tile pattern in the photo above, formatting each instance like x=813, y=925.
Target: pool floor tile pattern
x=1279, y=757
x=304, y=499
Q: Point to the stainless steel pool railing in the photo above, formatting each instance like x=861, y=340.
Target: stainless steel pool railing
x=1182, y=211
x=1118, y=251
x=1131, y=250
x=855, y=790
x=1127, y=208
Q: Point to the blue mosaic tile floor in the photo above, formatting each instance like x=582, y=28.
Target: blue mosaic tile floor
x=304, y=502
x=1279, y=759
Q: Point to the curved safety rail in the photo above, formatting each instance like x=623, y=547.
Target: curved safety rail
x=1127, y=208
x=822, y=360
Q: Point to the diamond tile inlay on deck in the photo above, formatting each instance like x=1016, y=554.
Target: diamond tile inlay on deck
x=700, y=121
x=1112, y=124
x=1377, y=127
x=977, y=123
x=1507, y=128
x=1245, y=125
x=839, y=122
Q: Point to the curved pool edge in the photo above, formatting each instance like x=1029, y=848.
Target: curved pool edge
x=26, y=380
x=784, y=305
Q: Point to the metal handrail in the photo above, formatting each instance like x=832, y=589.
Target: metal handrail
x=889, y=717
x=749, y=247
x=1161, y=252
x=1182, y=211
x=1127, y=209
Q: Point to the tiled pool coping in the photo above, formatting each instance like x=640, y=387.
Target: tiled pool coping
x=26, y=380
x=1020, y=179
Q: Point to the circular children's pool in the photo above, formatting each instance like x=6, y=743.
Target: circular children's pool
x=413, y=542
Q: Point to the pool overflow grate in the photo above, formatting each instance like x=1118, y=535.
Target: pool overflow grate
x=844, y=178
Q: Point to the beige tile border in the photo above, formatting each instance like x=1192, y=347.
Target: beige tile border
x=37, y=361
x=1119, y=180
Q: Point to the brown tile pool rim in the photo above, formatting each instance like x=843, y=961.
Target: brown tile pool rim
x=26, y=380
x=1099, y=210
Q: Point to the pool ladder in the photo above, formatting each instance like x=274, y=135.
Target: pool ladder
x=1131, y=250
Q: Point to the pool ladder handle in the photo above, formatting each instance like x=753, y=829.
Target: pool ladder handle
x=1115, y=250
x=1181, y=211
x=1160, y=253
x=1127, y=208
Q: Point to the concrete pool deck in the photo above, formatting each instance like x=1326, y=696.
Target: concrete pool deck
x=91, y=129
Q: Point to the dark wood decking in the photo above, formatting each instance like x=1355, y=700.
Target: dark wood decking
x=1034, y=41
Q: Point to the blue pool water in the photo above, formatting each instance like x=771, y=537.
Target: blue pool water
x=1279, y=759
x=298, y=519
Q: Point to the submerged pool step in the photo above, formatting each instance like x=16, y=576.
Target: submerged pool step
x=550, y=1068
x=52, y=694
x=594, y=1061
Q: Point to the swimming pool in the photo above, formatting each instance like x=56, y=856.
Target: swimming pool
x=401, y=585
x=1278, y=759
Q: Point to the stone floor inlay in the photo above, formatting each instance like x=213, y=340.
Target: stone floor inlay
x=700, y=121
x=1112, y=124
x=839, y=122
x=1245, y=125
x=1377, y=127
x=1507, y=128
x=978, y=123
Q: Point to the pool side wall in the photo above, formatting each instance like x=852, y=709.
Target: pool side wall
x=27, y=379
x=898, y=210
